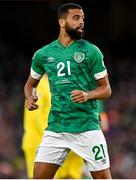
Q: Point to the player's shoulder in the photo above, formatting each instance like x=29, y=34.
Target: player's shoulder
x=91, y=46
x=46, y=47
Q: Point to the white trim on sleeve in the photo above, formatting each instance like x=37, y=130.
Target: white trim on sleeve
x=35, y=75
x=100, y=75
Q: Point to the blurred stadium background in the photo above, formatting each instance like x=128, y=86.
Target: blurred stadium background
x=25, y=26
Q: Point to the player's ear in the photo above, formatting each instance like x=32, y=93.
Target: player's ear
x=62, y=22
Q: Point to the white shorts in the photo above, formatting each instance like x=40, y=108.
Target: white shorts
x=90, y=145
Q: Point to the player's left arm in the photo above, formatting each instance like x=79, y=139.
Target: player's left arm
x=102, y=91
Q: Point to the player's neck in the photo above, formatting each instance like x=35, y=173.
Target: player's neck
x=65, y=39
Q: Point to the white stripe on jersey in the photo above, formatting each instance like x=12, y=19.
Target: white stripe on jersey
x=100, y=75
x=35, y=75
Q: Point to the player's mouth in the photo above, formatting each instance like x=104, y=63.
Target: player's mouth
x=80, y=28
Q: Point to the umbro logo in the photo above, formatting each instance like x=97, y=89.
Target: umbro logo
x=51, y=59
x=104, y=161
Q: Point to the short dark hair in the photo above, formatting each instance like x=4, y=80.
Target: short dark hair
x=63, y=9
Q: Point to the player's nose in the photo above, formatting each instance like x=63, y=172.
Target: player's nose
x=82, y=21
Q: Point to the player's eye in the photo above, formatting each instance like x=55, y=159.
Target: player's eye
x=76, y=17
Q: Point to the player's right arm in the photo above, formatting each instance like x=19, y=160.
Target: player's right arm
x=30, y=97
x=35, y=75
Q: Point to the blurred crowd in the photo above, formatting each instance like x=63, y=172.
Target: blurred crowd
x=11, y=113
x=121, y=137
x=122, y=114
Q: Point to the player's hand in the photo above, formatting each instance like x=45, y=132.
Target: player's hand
x=79, y=96
x=30, y=104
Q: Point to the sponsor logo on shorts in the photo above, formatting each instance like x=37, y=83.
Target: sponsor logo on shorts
x=104, y=161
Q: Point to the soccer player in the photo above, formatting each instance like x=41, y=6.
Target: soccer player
x=34, y=124
x=77, y=77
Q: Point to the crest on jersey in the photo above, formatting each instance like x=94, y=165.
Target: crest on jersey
x=79, y=56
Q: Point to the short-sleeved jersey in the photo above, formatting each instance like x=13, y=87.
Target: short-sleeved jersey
x=76, y=67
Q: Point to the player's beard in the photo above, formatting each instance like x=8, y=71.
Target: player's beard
x=74, y=33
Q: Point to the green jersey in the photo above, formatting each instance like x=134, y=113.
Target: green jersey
x=76, y=67
x=100, y=105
